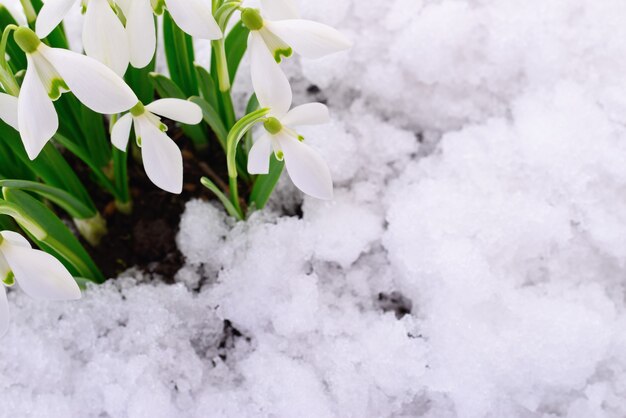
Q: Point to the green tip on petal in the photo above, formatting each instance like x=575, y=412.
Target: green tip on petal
x=252, y=19
x=27, y=40
x=57, y=87
x=9, y=280
x=280, y=155
x=279, y=54
x=138, y=109
x=158, y=6
x=272, y=125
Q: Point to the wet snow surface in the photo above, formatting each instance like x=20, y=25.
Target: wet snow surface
x=472, y=264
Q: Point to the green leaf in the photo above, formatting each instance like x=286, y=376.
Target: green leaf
x=74, y=207
x=236, y=45
x=165, y=87
x=180, y=56
x=208, y=90
x=212, y=118
x=95, y=134
x=138, y=80
x=50, y=166
x=265, y=184
x=58, y=241
x=168, y=88
x=230, y=208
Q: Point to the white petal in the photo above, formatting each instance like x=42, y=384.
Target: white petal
x=39, y=274
x=259, y=157
x=37, y=118
x=121, y=132
x=92, y=82
x=307, y=114
x=309, y=39
x=270, y=83
x=8, y=110
x=141, y=33
x=104, y=37
x=4, y=311
x=162, y=158
x=306, y=168
x=178, y=110
x=51, y=14
x=280, y=9
x=16, y=239
x=195, y=17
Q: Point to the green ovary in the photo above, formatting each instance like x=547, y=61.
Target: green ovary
x=27, y=40
x=272, y=125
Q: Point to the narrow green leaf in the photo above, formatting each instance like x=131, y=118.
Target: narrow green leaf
x=212, y=118
x=236, y=45
x=232, y=211
x=59, y=241
x=50, y=166
x=180, y=56
x=265, y=184
x=138, y=80
x=95, y=134
x=165, y=87
x=74, y=207
x=208, y=90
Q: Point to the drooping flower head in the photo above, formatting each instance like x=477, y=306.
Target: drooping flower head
x=305, y=167
x=279, y=28
x=49, y=73
x=110, y=42
x=162, y=159
x=194, y=17
x=38, y=274
x=104, y=36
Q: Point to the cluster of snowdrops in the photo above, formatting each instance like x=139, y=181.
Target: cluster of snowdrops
x=110, y=112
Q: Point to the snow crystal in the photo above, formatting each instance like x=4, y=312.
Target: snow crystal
x=472, y=263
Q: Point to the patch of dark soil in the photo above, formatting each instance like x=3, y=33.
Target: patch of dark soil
x=230, y=335
x=146, y=238
x=395, y=302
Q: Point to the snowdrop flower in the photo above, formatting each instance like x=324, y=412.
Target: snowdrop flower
x=283, y=32
x=104, y=36
x=39, y=275
x=50, y=72
x=162, y=159
x=195, y=17
x=305, y=167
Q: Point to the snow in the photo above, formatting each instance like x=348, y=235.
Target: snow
x=479, y=154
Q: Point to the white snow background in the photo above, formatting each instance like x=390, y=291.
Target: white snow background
x=479, y=153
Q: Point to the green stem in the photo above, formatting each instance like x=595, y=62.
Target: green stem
x=7, y=78
x=234, y=195
x=234, y=136
x=29, y=11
